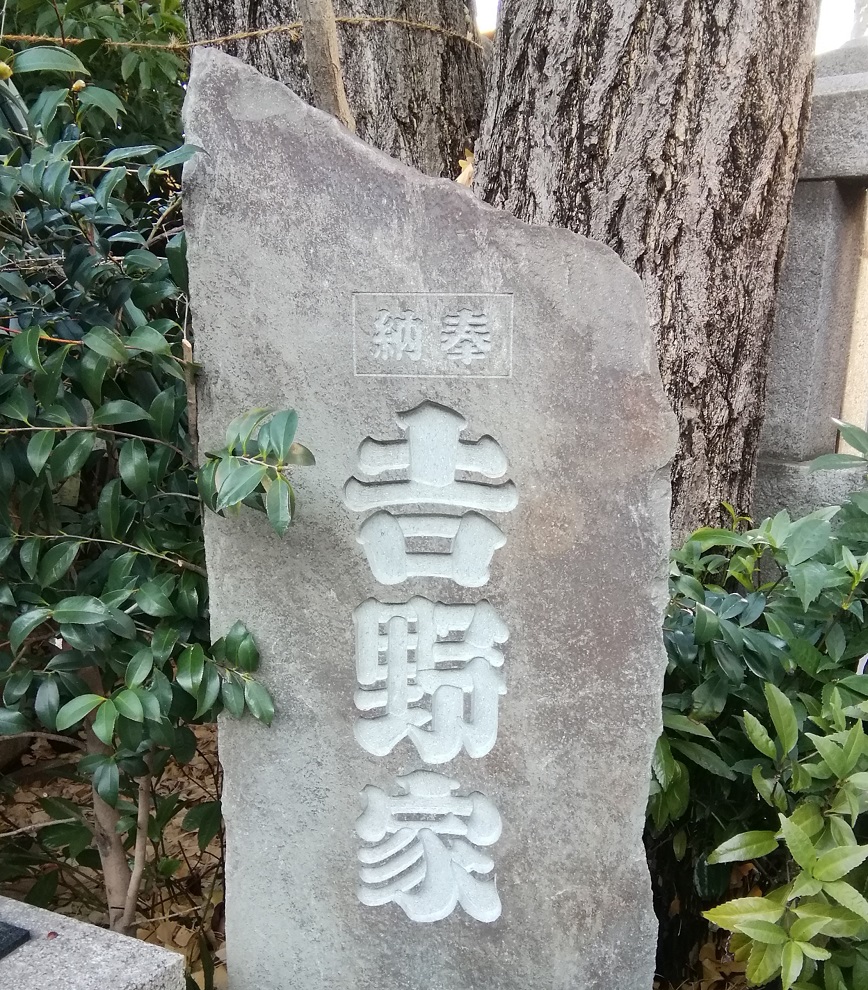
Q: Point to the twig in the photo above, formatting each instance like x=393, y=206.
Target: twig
x=53, y=736
x=169, y=210
x=185, y=565
x=190, y=382
x=141, y=853
x=37, y=826
x=94, y=429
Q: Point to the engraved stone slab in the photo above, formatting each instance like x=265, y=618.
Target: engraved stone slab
x=462, y=628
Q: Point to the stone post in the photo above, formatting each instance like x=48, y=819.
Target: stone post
x=817, y=369
x=462, y=628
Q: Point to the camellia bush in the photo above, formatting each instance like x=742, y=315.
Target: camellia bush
x=764, y=758
x=103, y=587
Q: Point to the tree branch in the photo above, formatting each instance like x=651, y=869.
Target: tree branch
x=37, y=826
x=53, y=736
x=141, y=853
x=320, y=37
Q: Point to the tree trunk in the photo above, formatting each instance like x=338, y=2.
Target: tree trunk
x=415, y=93
x=670, y=130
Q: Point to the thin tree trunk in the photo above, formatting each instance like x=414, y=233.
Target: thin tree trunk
x=320, y=36
x=415, y=93
x=670, y=130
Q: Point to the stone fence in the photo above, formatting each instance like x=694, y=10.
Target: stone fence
x=819, y=357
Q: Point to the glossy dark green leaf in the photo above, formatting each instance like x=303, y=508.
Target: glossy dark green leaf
x=128, y=704
x=47, y=703
x=109, y=509
x=119, y=411
x=259, y=702
x=152, y=600
x=28, y=555
x=139, y=667
x=163, y=641
x=133, y=467
x=233, y=697
x=47, y=58
x=103, y=99
x=25, y=346
x=107, y=344
x=191, y=666
x=278, y=504
x=209, y=690
x=57, y=560
x=38, y=449
x=69, y=456
x=24, y=625
x=299, y=454
x=84, y=610
x=106, y=780
x=12, y=722
x=279, y=432
x=12, y=284
x=76, y=709
x=206, y=819
x=162, y=412
x=104, y=722
x=177, y=156
x=241, y=480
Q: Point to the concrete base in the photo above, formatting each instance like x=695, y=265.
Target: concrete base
x=792, y=486
x=64, y=954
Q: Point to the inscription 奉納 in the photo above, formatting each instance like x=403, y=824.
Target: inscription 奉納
x=432, y=335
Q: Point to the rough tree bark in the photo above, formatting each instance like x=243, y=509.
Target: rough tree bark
x=415, y=93
x=670, y=130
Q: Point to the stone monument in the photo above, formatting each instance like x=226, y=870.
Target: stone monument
x=461, y=629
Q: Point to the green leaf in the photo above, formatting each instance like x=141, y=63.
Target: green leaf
x=209, y=690
x=133, y=467
x=177, y=156
x=28, y=556
x=764, y=963
x=47, y=703
x=138, y=668
x=57, y=560
x=847, y=897
x=152, y=600
x=681, y=723
x=783, y=716
x=43, y=58
x=853, y=435
x=300, y=456
x=163, y=414
x=11, y=722
x=837, y=863
x=800, y=846
x=241, y=480
x=128, y=704
x=807, y=537
x=106, y=780
x=69, y=456
x=82, y=610
x=731, y=914
x=103, y=99
x=279, y=432
x=205, y=818
x=39, y=448
x=74, y=711
x=832, y=754
x=146, y=338
x=25, y=346
x=743, y=847
x=763, y=931
x=119, y=411
x=233, y=698
x=12, y=284
x=703, y=757
x=836, y=462
x=278, y=505
x=191, y=667
x=24, y=625
x=759, y=737
x=104, y=722
x=259, y=702
x=792, y=960
x=106, y=343
x=125, y=154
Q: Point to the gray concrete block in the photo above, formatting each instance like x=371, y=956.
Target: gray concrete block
x=850, y=58
x=461, y=630
x=814, y=321
x=791, y=485
x=837, y=142
x=64, y=954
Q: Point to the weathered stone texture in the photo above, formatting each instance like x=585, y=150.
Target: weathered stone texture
x=291, y=219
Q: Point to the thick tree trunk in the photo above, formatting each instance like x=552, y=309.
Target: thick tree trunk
x=670, y=130
x=415, y=93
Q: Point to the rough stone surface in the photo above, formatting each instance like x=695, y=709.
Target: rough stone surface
x=791, y=485
x=836, y=146
x=814, y=321
x=844, y=61
x=79, y=956
x=292, y=225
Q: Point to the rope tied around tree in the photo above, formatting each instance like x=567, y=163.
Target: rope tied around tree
x=294, y=30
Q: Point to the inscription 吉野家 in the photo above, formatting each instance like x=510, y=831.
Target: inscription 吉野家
x=433, y=335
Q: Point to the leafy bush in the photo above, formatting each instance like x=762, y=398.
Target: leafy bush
x=103, y=590
x=764, y=757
